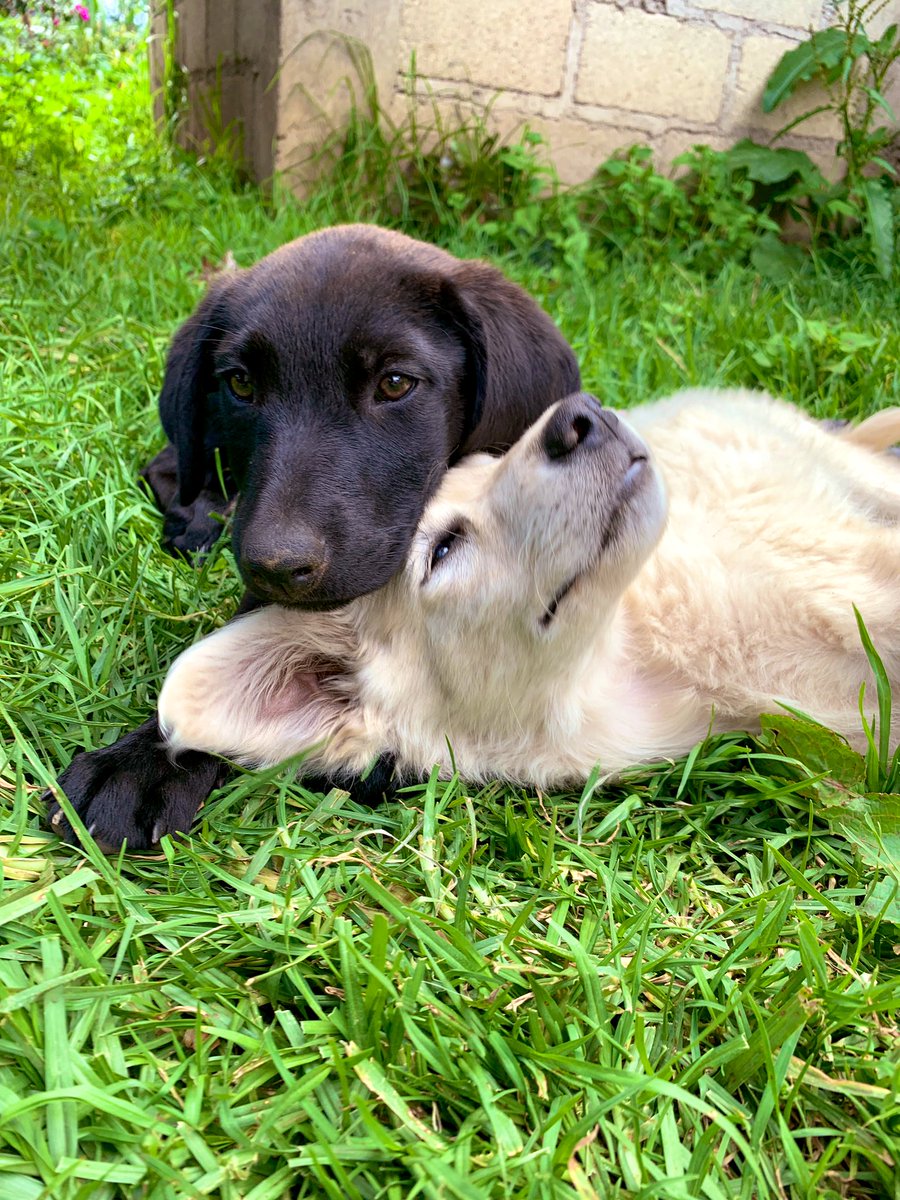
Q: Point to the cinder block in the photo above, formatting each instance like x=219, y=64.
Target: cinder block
x=193, y=132
x=518, y=44
x=326, y=49
x=235, y=104
x=221, y=32
x=892, y=96
x=258, y=34
x=191, y=48
x=804, y=14
x=759, y=57
x=317, y=86
x=652, y=63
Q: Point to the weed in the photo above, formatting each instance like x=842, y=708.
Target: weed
x=427, y=171
x=853, y=67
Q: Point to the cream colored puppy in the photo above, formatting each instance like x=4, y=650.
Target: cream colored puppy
x=603, y=594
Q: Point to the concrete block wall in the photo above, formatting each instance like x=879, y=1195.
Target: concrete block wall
x=592, y=76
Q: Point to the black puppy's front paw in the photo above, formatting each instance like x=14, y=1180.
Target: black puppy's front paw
x=190, y=530
x=134, y=791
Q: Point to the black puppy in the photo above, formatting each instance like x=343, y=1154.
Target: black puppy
x=336, y=379
x=328, y=387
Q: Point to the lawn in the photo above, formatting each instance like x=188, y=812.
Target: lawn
x=683, y=986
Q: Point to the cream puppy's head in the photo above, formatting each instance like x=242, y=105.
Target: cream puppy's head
x=509, y=589
x=519, y=562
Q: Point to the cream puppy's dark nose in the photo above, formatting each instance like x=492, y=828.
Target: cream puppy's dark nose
x=578, y=421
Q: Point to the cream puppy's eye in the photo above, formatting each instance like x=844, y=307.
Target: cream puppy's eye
x=445, y=543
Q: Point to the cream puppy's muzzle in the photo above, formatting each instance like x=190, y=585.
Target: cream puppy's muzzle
x=579, y=497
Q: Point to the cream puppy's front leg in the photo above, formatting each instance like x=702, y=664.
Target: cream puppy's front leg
x=264, y=688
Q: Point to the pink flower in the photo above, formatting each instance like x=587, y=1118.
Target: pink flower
x=81, y=11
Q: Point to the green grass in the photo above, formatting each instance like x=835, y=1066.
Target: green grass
x=685, y=986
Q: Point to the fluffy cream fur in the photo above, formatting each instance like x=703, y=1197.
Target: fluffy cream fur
x=557, y=613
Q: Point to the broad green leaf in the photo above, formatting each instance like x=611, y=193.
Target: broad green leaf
x=769, y=165
x=817, y=331
x=820, y=57
x=871, y=824
x=879, y=224
x=885, y=44
x=819, y=749
x=884, y=165
x=882, y=102
x=783, y=1024
x=854, y=341
x=883, y=901
x=776, y=260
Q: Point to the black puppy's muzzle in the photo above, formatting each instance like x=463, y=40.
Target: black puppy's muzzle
x=284, y=567
x=579, y=422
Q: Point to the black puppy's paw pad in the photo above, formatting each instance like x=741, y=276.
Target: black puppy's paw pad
x=188, y=545
x=186, y=535
x=134, y=792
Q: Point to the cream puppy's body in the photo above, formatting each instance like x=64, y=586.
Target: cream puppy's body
x=603, y=594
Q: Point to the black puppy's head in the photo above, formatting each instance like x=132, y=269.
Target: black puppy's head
x=336, y=379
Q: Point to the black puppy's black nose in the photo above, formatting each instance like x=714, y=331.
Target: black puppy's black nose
x=284, y=569
x=578, y=421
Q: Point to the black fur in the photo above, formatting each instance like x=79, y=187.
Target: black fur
x=188, y=530
x=135, y=790
x=327, y=475
x=327, y=480
x=379, y=784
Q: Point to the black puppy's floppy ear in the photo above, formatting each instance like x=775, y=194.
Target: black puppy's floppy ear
x=187, y=382
x=517, y=361
x=465, y=324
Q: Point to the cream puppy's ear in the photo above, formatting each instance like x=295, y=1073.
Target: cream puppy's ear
x=266, y=687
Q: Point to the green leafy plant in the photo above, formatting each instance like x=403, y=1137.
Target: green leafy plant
x=75, y=95
x=824, y=351
x=853, y=66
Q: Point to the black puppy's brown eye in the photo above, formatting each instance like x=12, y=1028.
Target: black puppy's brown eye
x=240, y=385
x=394, y=386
